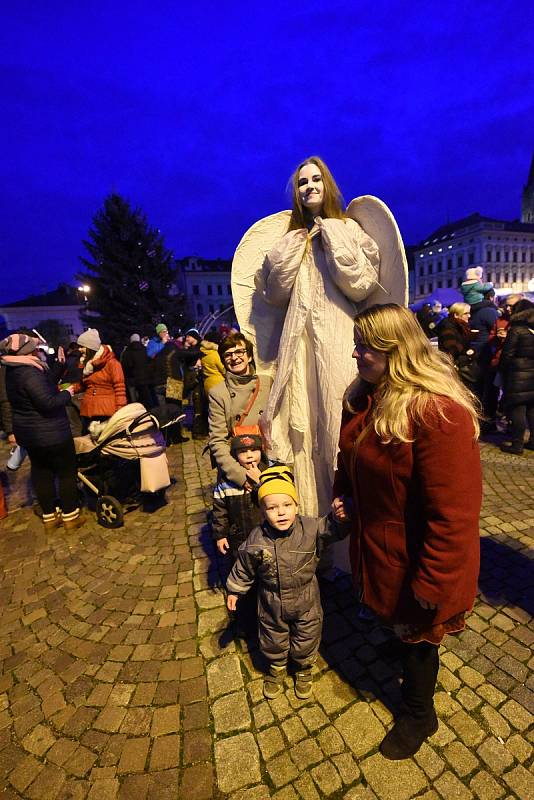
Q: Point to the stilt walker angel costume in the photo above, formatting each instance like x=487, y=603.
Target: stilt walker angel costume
x=296, y=293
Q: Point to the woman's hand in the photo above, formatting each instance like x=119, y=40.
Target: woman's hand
x=231, y=602
x=340, y=509
x=424, y=603
x=223, y=546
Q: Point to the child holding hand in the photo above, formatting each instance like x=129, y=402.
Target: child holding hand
x=282, y=555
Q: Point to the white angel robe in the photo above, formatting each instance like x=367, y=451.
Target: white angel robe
x=320, y=282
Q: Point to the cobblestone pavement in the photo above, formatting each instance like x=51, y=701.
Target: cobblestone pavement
x=119, y=678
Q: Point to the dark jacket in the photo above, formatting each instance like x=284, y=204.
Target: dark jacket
x=188, y=357
x=136, y=365
x=234, y=515
x=6, y=417
x=483, y=317
x=416, y=514
x=39, y=416
x=454, y=337
x=166, y=364
x=72, y=372
x=517, y=359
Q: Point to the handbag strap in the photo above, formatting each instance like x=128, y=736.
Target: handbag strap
x=251, y=401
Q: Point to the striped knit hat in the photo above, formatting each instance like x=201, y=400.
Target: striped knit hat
x=277, y=480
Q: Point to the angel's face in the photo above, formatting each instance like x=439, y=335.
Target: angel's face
x=311, y=188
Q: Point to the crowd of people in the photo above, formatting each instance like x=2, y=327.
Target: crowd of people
x=492, y=349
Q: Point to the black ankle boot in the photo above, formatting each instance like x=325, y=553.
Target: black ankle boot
x=515, y=448
x=407, y=735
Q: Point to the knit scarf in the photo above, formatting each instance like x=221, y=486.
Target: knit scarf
x=17, y=350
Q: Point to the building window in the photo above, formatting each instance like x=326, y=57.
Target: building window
x=228, y=289
x=506, y=256
x=523, y=257
x=195, y=288
x=506, y=277
x=449, y=263
x=488, y=255
x=210, y=289
x=459, y=261
x=514, y=257
x=219, y=289
x=440, y=284
x=421, y=288
x=471, y=258
x=440, y=265
x=514, y=277
x=210, y=307
x=200, y=309
x=449, y=283
x=498, y=255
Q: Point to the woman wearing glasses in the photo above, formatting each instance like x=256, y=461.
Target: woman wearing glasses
x=239, y=400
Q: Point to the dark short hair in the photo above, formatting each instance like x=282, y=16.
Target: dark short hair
x=232, y=341
x=522, y=305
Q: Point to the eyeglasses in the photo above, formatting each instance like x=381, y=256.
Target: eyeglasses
x=238, y=353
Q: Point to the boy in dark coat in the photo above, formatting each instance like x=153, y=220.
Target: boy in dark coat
x=282, y=555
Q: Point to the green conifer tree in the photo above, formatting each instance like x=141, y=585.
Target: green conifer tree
x=129, y=273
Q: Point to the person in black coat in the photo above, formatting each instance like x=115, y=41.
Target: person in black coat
x=167, y=364
x=517, y=366
x=454, y=338
x=40, y=425
x=137, y=369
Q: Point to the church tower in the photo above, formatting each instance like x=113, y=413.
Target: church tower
x=527, y=199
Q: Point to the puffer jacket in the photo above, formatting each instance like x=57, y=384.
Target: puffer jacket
x=104, y=389
x=212, y=366
x=39, y=416
x=284, y=565
x=517, y=359
x=227, y=402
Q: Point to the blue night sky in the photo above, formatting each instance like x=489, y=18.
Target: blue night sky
x=198, y=113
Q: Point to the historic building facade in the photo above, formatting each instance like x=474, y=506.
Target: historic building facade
x=63, y=306
x=504, y=249
x=206, y=286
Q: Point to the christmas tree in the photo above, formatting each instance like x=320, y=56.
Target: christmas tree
x=130, y=275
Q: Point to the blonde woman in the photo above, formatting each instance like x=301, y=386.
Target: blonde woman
x=410, y=459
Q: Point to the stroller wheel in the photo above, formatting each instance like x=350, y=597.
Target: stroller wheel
x=109, y=512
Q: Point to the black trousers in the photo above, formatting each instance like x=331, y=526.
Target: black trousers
x=522, y=417
x=420, y=665
x=48, y=464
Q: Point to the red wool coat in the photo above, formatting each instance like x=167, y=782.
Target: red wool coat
x=104, y=390
x=416, y=511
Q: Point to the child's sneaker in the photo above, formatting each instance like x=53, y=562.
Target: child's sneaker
x=273, y=683
x=303, y=683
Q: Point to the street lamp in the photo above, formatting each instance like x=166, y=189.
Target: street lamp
x=85, y=289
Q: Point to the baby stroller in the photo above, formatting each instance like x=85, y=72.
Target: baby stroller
x=123, y=457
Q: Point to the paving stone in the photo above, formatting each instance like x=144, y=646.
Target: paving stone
x=270, y=742
x=262, y=715
x=305, y=753
x=281, y=770
x=212, y=621
x=466, y=728
x=360, y=729
x=429, y=761
x=330, y=741
x=165, y=752
x=197, y=783
x=496, y=723
x=521, y=782
x=347, y=767
x=518, y=717
x=333, y=693
x=460, y=758
x=287, y=793
x=393, y=780
x=496, y=755
x=165, y=720
x=230, y=755
x=520, y=748
x=450, y=787
x=485, y=787
x=260, y=792
x=134, y=754
x=294, y=730
x=306, y=788
x=313, y=718
x=47, y=784
x=327, y=778
x=231, y=713
x=224, y=675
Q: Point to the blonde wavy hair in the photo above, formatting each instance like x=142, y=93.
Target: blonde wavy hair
x=417, y=379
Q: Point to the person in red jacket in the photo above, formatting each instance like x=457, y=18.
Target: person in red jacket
x=103, y=386
x=409, y=458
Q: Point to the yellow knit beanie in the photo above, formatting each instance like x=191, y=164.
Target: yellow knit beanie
x=277, y=480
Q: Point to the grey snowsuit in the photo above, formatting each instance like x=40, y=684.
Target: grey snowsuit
x=290, y=615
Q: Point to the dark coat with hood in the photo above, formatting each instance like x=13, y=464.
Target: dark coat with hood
x=517, y=359
x=284, y=566
x=416, y=514
x=136, y=365
x=39, y=416
x=166, y=364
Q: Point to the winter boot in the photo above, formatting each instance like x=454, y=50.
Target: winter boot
x=75, y=519
x=273, y=683
x=407, y=735
x=515, y=448
x=51, y=521
x=303, y=683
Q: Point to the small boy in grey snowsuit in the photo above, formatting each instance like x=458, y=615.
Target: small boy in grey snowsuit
x=282, y=555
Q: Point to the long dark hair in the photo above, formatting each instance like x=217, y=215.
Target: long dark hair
x=333, y=203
